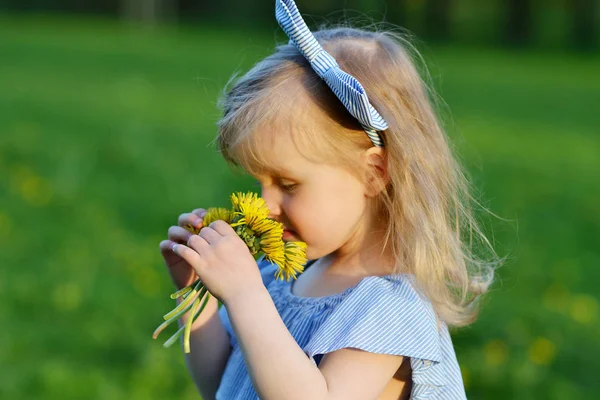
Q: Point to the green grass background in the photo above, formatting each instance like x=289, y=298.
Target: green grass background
x=105, y=139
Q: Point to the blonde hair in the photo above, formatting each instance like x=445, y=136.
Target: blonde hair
x=432, y=231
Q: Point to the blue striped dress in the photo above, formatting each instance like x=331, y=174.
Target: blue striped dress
x=380, y=314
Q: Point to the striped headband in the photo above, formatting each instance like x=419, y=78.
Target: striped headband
x=347, y=88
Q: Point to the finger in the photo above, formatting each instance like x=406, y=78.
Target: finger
x=189, y=255
x=198, y=244
x=201, y=212
x=210, y=235
x=166, y=247
x=178, y=234
x=222, y=227
x=190, y=219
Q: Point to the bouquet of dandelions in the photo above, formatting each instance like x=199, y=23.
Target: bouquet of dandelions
x=263, y=236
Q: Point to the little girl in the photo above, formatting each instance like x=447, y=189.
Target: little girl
x=338, y=129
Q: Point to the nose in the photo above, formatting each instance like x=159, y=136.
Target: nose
x=273, y=199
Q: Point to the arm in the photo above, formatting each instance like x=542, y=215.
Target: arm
x=210, y=349
x=280, y=369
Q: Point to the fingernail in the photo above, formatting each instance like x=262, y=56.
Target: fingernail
x=174, y=248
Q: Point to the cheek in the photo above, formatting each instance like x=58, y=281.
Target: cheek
x=326, y=216
x=343, y=200
x=331, y=230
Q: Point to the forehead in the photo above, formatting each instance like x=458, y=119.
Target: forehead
x=288, y=136
x=278, y=149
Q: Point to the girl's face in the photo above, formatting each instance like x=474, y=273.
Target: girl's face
x=319, y=204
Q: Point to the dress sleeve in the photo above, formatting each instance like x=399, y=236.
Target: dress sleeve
x=384, y=316
x=267, y=271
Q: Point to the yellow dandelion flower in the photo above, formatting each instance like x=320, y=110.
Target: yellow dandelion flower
x=248, y=209
x=250, y=205
x=192, y=229
x=263, y=234
x=267, y=225
x=273, y=247
x=237, y=199
x=249, y=218
x=214, y=214
x=295, y=258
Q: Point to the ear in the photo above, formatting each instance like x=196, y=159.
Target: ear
x=375, y=164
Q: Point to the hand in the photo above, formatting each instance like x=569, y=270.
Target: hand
x=222, y=261
x=181, y=272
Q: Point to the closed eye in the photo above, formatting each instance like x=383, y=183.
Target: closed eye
x=289, y=188
x=283, y=185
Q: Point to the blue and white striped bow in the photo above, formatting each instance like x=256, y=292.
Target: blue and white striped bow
x=347, y=88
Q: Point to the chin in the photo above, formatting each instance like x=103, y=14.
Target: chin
x=313, y=254
x=309, y=254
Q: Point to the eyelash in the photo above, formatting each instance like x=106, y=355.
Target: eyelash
x=288, y=188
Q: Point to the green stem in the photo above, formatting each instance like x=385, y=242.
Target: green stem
x=188, y=326
x=160, y=328
x=185, y=303
x=203, y=304
x=181, y=330
x=180, y=313
x=184, y=290
x=174, y=338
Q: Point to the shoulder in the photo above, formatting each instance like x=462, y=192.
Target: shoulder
x=393, y=299
x=397, y=290
x=384, y=315
x=398, y=297
x=382, y=321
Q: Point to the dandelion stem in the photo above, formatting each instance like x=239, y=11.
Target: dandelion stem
x=160, y=328
x=180, y=313
x=181, y=330
x=191, y=299
x=188, y=326
x=203, y=304
x=184, y=290
x=185, y=303
x=175, y=336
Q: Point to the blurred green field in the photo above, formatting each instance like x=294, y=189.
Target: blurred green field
x=105, y=138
